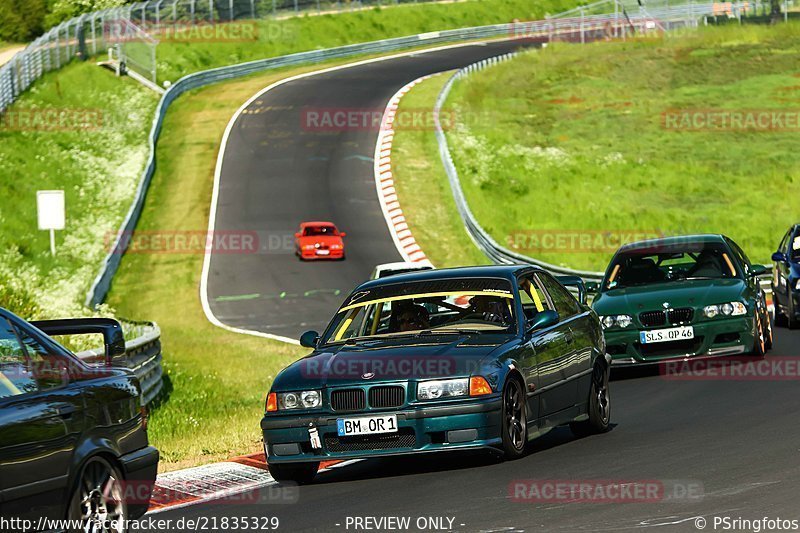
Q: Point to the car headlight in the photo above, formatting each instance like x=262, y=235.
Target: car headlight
x=621, y=321
x=336, y=246
x=726, y=309
x=308, y=247
x=443, y=388
x=307, y=399
x=797, y=285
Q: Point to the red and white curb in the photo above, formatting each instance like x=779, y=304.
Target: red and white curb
x=384, y=182
x=237, y=480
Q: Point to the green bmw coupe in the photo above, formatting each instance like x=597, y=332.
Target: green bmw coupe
x=682, y=297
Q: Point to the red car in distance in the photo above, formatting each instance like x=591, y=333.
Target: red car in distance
x=319, y=240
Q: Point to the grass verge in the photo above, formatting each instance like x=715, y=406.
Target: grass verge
x=84, y=131
x=422, y=185
x=573, y=140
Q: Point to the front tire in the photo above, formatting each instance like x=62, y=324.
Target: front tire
x=514, y=420
x=300, y=473
x=599, y=405
x=98, y=498
x=759, y=337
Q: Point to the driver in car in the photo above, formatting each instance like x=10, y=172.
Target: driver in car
x=410, y=317
x=491, y=309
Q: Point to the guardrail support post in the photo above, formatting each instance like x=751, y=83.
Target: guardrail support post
x=583, y=39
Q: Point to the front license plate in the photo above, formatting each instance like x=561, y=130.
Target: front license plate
x=666, y=335
x=366, y=425
x=323, y=252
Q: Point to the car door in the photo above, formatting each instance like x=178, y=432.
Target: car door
x=577, y=320
x=550, y=352
x=40, y=422
x=780, y=285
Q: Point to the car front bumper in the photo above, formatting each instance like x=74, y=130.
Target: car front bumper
x=460, y=425
x=716, y=337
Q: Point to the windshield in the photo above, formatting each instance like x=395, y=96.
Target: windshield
x=685, y=261
x=794, y=248
x=469, y=305
x=319, y=230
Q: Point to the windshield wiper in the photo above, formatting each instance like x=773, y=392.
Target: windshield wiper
x=451, y=331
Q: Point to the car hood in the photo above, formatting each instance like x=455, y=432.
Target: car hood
x=688, y=293
x=325, y=240
x=391, y=360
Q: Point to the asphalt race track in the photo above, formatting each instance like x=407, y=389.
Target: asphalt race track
x=736, y=440
x=734, y=443
x=278, y=170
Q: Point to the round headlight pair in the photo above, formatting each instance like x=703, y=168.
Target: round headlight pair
x=299, y=400
x=621, y=321
x=726, y=309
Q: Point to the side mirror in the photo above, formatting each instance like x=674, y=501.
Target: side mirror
x=297, y=235
x=543, y=319
x=309, y=339
x=592, y=286
x=779, y=257
x=342, y=234
x=758, y=270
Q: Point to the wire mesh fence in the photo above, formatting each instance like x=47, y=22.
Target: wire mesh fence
x=93, y=33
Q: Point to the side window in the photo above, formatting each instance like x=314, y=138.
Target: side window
x=741, y=256
x=782, y=246
x=566, y=305
x=533, y=300
x=49, y=369
x=15, y=374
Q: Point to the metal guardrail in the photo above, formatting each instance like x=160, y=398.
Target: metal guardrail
x=143, y=357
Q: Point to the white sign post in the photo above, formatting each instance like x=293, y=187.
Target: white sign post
x=51, y=213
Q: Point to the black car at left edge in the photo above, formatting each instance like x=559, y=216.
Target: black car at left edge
x=452, y=359
x=73, y=439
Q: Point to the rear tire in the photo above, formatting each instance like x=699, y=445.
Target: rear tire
x=768, y=330
x=98, y=498
x=513, y=419
x=300, y=473
x=599, y=405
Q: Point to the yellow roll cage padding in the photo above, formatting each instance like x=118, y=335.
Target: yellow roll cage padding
x=427, y=295
x=613, y=274
x=730, y=265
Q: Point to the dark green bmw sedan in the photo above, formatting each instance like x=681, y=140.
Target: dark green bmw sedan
x=682, y=297
x=438, y=360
